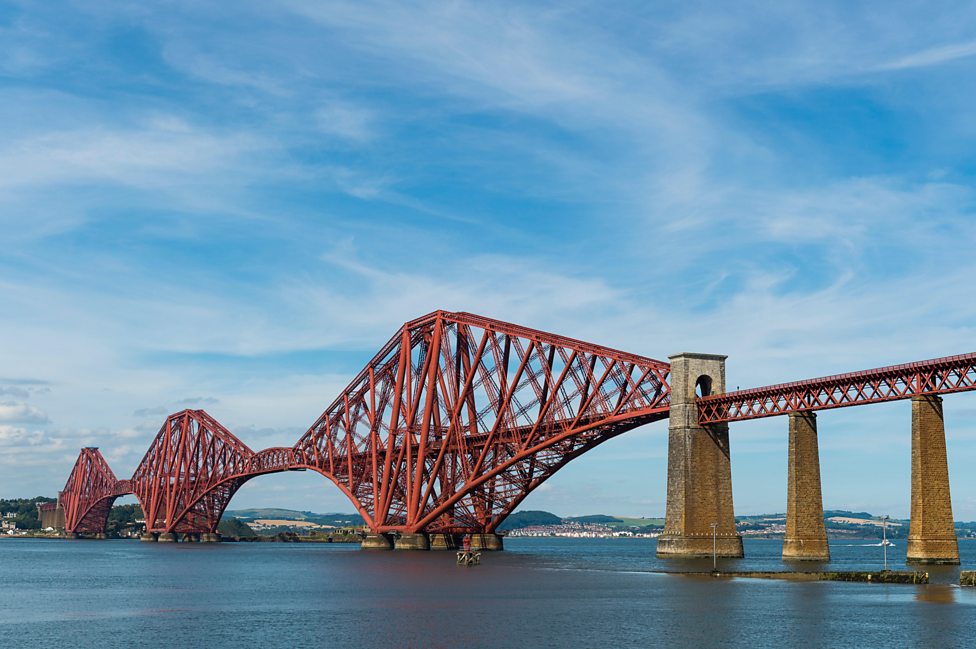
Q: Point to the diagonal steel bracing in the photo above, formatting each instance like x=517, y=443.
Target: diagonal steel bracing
x=453, y=422
x=936, y=376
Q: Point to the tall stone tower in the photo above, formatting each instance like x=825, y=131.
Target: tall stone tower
x=699, y=466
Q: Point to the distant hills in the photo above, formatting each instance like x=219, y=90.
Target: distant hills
x=839, y=523
x=272, y=513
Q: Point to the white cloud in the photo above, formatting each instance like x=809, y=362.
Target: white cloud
x=22, y=413
x=11, y=435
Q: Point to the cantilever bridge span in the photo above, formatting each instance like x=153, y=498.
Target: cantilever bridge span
x=459, y=417
x=453, y=422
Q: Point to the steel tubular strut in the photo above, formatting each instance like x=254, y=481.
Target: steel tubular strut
x=451, y=424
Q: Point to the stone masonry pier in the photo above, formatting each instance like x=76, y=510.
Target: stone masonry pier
x=806, y=535
x=699, y=467
x=932, y=535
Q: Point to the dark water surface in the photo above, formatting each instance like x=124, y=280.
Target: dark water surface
x=538, y=593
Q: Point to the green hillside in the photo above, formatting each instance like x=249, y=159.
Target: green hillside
x=234, y=527
x=25, y=510
x=335, y=519
x=594, y=518
x=529, y=518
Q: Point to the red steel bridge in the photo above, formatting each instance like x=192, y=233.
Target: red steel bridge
x=451, y=425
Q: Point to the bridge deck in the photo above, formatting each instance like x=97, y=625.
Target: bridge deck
x=936, y=376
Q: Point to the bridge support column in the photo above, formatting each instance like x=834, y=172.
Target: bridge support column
x=699, y=467
x=412, y=542
x=487, y=542
x=806, y=536
x=210, y=537
x=377, y=542
x=167, y=537
x=932, y=535
x=101, y=536
x=148, y=537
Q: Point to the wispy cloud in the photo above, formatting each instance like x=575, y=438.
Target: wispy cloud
x=199, y=401
x=158, y=411
x=154, y=155
x=346, y=121
x=932, y=56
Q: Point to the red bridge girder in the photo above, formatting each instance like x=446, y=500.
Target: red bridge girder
x=456, y=420
x=459, y=417
x=89, y=493
x=448, y=428
x=189, y=474
x=936, y=376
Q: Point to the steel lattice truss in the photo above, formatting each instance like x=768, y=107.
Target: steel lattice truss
x=459, y=417
x=448, y=428
x=89, y=493
x=453, y=423
x=937, y=376
x=189, y=474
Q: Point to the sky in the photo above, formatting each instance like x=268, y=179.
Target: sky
x=233, y=210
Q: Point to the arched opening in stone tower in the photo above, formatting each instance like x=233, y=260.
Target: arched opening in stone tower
x=703, y=386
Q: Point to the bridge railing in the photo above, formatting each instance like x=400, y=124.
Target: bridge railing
x=936, y=376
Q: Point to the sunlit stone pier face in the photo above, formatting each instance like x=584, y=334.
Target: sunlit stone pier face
x=932, y=536
x=699, y=468
x=806, y=536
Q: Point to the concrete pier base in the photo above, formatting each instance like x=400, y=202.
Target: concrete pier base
x=190, y=537
x=727, y=546
x=411, y=542
x=167, y=537
x=101, y=536
x=699, y=467
x=932, y=535
x=806, y=535
x=377, y=542
x=73, y=535
x=148, y=537
x=210, y=537
x=806, y=550
x=444, y=542
x=487, y=542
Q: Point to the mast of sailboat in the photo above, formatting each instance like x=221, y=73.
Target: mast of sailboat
x=884, y=539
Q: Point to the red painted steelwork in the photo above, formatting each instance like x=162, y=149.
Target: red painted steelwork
x=456, y=420
x=189, y=474
x=459, y=417
x=937, y=376
x=448, y=428
x=89, y=493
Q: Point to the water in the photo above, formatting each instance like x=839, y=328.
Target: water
x=538, y=593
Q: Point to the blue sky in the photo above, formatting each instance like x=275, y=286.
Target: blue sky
x=235, y=210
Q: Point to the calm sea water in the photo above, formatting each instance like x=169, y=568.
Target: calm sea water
x=538, y=593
